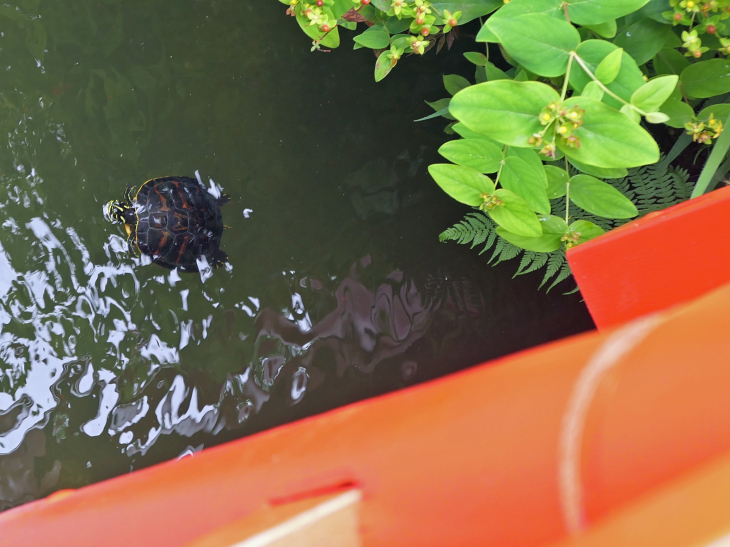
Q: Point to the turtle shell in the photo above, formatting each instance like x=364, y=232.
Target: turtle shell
x=178, y=221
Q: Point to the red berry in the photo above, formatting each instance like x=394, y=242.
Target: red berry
x=366, y=2
x=711, y=29
x=424, y=32
x=677, y=16
x=320, y=3
x=325, y=28
x=453, y=22
x=697, y=53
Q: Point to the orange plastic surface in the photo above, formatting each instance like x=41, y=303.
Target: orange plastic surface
x=521, y=452
x=663, y=259
x=693, y=510
x=277, y=526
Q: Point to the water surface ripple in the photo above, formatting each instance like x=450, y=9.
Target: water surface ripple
x=337, y=288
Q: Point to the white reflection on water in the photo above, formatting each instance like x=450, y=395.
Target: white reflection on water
x=80, y=318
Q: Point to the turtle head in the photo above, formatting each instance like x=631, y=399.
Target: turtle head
x=114, y=211
x=120, y=211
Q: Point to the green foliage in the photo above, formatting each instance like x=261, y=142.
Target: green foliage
x=588, y=77
x=651, y=188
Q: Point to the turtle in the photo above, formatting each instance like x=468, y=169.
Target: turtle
x=173, y=220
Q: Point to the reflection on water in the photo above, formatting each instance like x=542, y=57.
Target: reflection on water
x=337, y=288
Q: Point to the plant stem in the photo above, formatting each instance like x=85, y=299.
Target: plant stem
x=486, y=44
x=684, y=95
x=501, y=164
x=600, y=84
x=567, y=77
x=567, y=191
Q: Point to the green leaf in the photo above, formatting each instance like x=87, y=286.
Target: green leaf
x=532, y=158
x=593, y=91
x=719, y=111
x=522, y=179
x=493, y=73
x=545, y=243
x=478, y=59
x=669, y=61
x=656, y=117
x=586, y=230
x=653, y=93
x=504, y=110
x=400, y=42
x=706, y=78
x=340, y=7
x=470, y=9
x=382, y=5
x=395, y=26
x=485, y=34
x=654, y=9
x=467, y=133
x=538, y=42
x=464, y=184
x=605, y=30
x=443, y=112
x=631, y=113
x=329, y=40
x=513, y=9
x=600, y=198
x=441, y=107
x=553, y=8
x=383, y=65
x=478, y=154
x=557, y=179
x=608, y=69
x=608, y=138
x=480, y=75
x=600, y=172
x=553, y=225
x=376, y=37
x=644, y=39
x=678, y=111
x=455, y=83
x=515, y=215
x=629, y=78
x=594, y=12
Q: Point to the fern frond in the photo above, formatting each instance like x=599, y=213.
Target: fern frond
x=474, y=227
x=491, y=239
x=562, y=274
x=530, y=262
x=504, y=251
x=554, y=263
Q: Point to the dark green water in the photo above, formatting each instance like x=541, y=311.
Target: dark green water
x=337, y=287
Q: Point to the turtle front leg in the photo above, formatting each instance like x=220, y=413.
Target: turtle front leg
x=131, y=245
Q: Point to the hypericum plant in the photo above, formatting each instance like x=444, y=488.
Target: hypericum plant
x=395, y=27
x=587, y=75
x=586, y=78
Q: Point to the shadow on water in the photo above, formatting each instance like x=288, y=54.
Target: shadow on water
x=337, y=287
